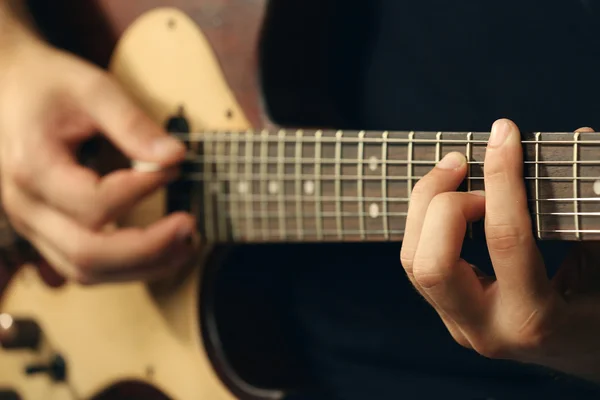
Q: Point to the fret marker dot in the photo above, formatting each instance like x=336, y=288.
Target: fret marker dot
x=243, y=187
x=374, y=210
x=273, y=187
x=373, y=162
x=309, y=187
x=597, y=187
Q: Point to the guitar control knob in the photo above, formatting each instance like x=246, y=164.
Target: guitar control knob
x=19, y=333
x=56, y=369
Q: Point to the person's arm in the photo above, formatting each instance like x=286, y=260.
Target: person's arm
x=51, y=100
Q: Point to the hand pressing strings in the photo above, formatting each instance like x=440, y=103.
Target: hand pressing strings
x=521, y=315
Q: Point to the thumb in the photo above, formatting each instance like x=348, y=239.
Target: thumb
x=125, y=124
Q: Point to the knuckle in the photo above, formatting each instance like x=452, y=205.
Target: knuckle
x=96, y=218
x=504, y=238
x=18, y=169
x=444, y=202
x=84, y=278
x=133, y=121
x=490, y=349
x=430, y=273
x=421, y=189
x=406, y=259
x=13, y=209
x=94, y=82
x=460, y=339
x=535, y=333
x=494, y=168
x=11, y=204
x=531, y=341
x=81, y=257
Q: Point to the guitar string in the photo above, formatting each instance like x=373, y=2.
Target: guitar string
x=275, y=234
x=197, y=177
x=354, y=214
x=308, y=198
x=226, y=137
x=366, y=162
x=383, y=141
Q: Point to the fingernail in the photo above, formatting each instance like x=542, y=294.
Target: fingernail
x=478, y=192
x=500, y=131
x=167, y=146
x=452, y=161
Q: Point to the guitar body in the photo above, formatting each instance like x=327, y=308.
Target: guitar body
x=144, y=333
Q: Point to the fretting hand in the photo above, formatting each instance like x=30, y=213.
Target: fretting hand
x=50, y=102
x=521, y=315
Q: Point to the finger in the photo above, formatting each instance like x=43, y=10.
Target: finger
x=446, y=176
x=98, y=252
x=168, y=263
x=442, y=275
x=517, y=262
x=124, y=123
x=90, y=199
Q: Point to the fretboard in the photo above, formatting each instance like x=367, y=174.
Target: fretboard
x=327, y=185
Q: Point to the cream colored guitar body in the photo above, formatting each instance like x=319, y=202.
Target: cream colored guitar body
x=112, y=333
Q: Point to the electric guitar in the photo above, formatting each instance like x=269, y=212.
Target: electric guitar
x=194, y=66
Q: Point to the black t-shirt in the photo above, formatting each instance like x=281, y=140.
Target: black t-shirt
x=363, y=330
x=354, y=321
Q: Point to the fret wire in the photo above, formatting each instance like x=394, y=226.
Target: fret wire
x=248, y=169
x=317, y=178
x=233, y=176
x=325, y=139
x=208, y=189
x=469, y=156
x=360, y=183
x=409, y=167
x=264, y=151
x=338, y=181
x=298, y=195
x=537, y=186
x=384, y=217
x=575, y=185
x=281, y=184
x=221, y=221
x=438, y=144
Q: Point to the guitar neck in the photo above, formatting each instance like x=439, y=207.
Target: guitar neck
x=327, y=185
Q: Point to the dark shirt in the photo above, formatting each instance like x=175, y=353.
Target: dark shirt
x=432, y=65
